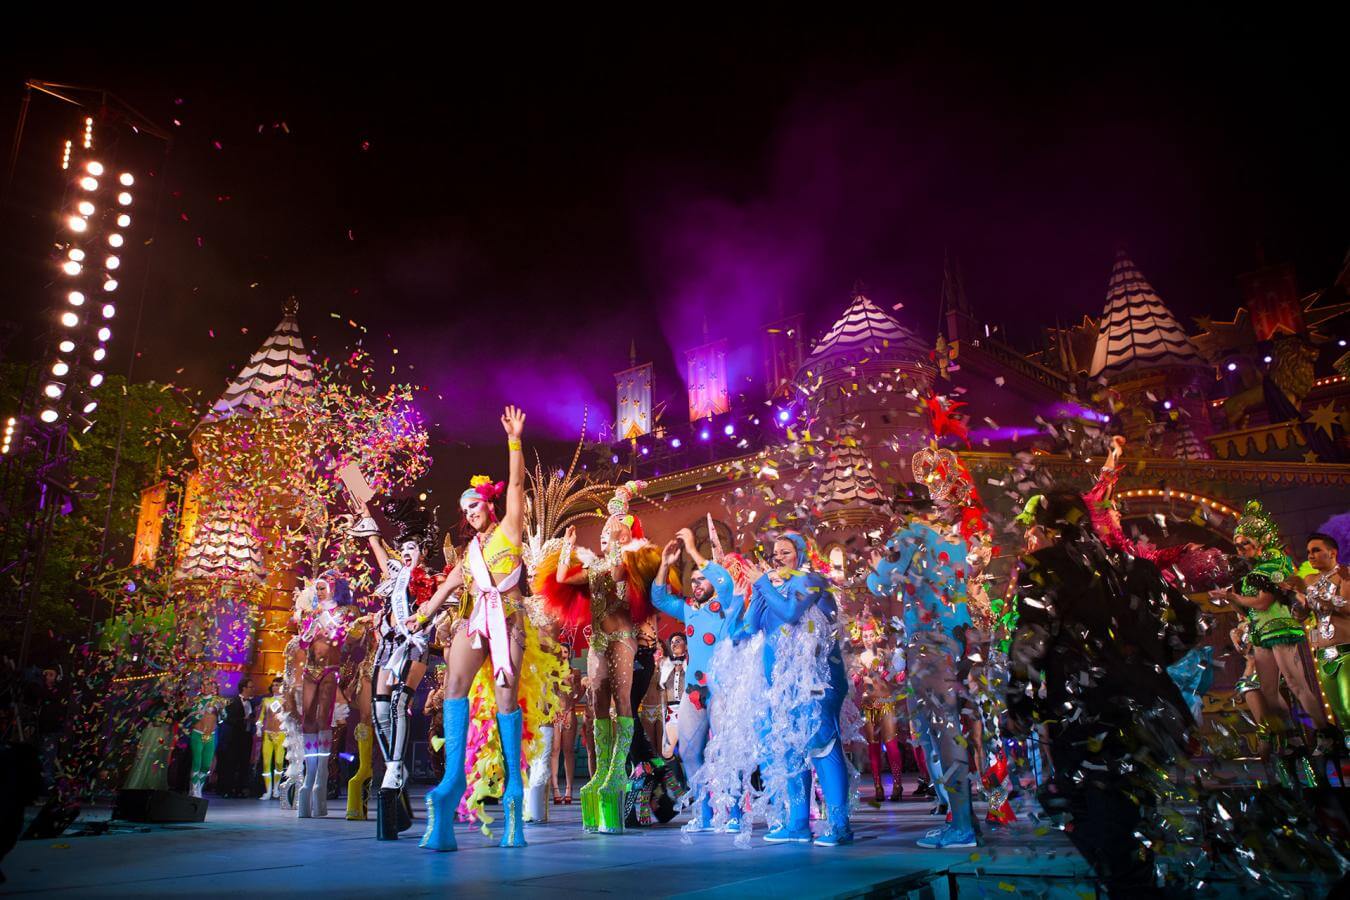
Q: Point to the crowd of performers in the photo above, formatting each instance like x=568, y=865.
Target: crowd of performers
x=1075, y=684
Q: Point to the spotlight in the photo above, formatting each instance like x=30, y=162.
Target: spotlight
x=85, y=207
x=105, y=334
x=109, y=310
x=729, y=430
x=1266, y=360
x=66, y=346
x=60, y=368
x=76, y=298
x=1232, y=367
x=89, y=184
x=90, y=407
x=110, y=285
x=94, y=168
x=71, y=267
x=114, y=240
x=1341, y=342
x=1167, y=404
x=99, y=353
x=123, y=220
x=48, y=416
x=76, y=254
x=54, y=389
x=69, y=319
x=76, y=223
x=646, y=450
x=614, y=459
x=124, y=198
x=783, y=415
x=96, y=379
x=675, y=442
x=126, y=179
x=705, y=434
x=111, y=262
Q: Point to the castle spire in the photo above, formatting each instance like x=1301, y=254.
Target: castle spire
x=1137, y=331
x=279, y=372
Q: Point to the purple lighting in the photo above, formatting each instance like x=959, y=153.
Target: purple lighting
x=675, y=442
x=782, y=415
x=704, y=434
x=729, y=430
x=646, y=450
x=1232, y=366
x=614, y=458
x=1167, y=404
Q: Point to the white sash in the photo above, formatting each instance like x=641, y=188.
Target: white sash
x=400, y=609
x=488, y=619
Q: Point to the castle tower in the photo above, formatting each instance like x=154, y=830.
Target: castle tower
x=862, y=381
x=232, y=555
x=1144, y=354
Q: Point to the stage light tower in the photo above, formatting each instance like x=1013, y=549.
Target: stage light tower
x=90, y=246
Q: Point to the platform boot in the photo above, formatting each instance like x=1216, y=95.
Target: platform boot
x=443, y=799
x=509, y=727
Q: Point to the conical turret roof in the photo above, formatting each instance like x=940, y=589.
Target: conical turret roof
x=277, y=374
x=864, y=330
x=1136, y=330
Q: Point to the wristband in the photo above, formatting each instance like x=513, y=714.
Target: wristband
x=421, y=619
x=513, y=444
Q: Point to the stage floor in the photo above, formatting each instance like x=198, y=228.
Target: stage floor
x=253, y=848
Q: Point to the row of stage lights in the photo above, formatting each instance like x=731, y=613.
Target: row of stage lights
x=93, y=237
x=704, y=431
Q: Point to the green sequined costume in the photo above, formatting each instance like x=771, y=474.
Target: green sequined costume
x=1274, y=625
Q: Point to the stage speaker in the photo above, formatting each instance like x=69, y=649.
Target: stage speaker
x=158, y=806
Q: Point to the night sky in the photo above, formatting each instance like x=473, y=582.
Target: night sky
x=510, y=210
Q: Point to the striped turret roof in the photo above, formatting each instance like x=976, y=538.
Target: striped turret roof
x=1137, y=331
x=277, y=374
x=846, y=477
x=224, y=547
x=864, y=330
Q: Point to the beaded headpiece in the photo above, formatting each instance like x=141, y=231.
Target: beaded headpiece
x=617, y=507
x=1257, y=524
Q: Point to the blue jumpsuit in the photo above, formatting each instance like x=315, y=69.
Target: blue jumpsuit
x=928, y=576
x=779, y=617
x=704, y=627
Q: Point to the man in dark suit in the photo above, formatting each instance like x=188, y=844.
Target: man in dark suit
x=233, y=775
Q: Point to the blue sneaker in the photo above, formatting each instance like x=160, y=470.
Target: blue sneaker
x=949, y=838
x=834, y=837
x=781, y=834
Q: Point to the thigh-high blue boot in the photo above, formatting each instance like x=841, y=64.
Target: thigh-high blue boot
x=509, y=726
x=443, y=799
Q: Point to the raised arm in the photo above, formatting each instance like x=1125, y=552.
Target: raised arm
x=376, y=545
x=662, y=598
x=513, y=423
x=565, y=561
x=687, y=538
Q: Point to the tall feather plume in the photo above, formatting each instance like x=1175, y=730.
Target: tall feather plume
x=557, y=499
